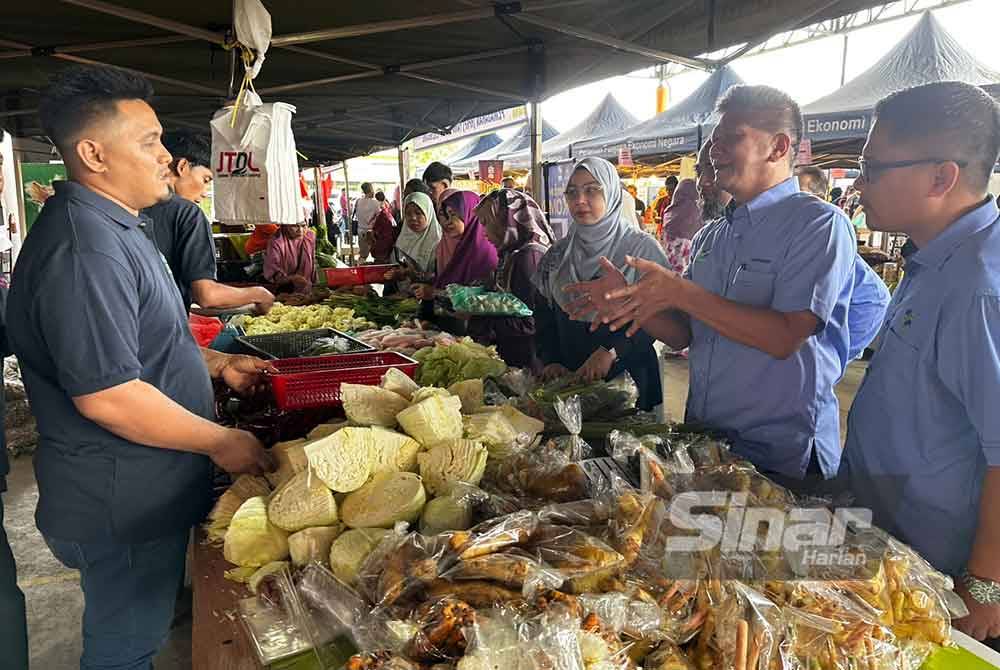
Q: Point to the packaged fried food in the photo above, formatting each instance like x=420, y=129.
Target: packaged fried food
x=476, y=592
x=379, y=660
x=402, y=569
x=494, y=535
x=743, y=631
x=513, y=568
x=441, y=630
x=571, y=552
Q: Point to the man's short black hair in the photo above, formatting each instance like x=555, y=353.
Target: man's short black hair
x=197, y=149
x=366, y=188
x=835, y=193
x=772, y=110
x=82, y=95
x=962, y=119
x=672, y=181
x=812, y=179
x=380, y=196
x=416, y=186
x=437, y=171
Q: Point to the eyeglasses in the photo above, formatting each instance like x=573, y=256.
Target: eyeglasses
x=871, y=170
x=590, y=192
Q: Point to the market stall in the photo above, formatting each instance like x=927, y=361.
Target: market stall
x=447, y=510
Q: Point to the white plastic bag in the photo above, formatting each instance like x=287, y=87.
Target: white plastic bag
x=254, y=163
x=252, y=23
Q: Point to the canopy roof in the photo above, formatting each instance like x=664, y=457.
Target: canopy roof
x=364, y=75
x=519, y=141
x=474, y=147
x=676, y=130
x=926, y=54
x=608, y=117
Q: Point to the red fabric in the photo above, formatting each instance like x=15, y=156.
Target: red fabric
x=303, y=189
x=204, y=328
x=385, y=231
x=261, y=235
x=327, y=191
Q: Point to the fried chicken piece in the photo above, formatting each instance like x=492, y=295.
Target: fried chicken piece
x=379, y=660
x=477, y=593
x=442, y=631
x=551, y=599
x=510, y=568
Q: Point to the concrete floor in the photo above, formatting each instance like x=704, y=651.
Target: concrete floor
x=54, y=600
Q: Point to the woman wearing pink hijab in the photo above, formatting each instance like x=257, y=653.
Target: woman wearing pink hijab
x=681, y=220
x=290, y=260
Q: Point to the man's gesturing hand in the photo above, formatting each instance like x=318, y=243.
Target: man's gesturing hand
x=655, y=291
x=590, y=297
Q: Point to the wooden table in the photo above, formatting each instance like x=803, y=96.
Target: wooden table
x=218, y=639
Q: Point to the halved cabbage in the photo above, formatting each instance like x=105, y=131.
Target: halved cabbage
x=371, y=405
x=394, y=452
x=397, y=381
x=290, y=459
x=302, y=502
x=433, y=420
x=494, y=431
x=452, y=461
x=313, y=544
x=349, y=551
x=386, y=499
x=343, y=461
x=252, y=540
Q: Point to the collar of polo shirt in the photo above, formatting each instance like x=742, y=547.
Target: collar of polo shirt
x=111, y=209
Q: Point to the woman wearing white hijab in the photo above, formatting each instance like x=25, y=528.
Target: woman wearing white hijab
x=601, y=228
x=417, y=242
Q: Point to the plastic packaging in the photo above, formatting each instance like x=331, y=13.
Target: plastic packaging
x=506, y=639
x=572, y=445
x=743, y=631
x=477, y=301
x=604, y=400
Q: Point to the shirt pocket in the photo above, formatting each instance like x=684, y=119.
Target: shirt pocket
x=753, y=287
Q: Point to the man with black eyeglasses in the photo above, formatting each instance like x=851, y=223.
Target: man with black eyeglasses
x=923, y=438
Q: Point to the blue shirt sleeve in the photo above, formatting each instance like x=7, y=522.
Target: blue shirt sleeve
x=819, y=266
x=969, y=365
x=90, y=324
x=869, y=300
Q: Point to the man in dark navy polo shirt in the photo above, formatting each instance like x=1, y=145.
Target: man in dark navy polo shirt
x=121, y=392
x=184, y=236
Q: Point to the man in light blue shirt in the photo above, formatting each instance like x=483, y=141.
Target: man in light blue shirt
x=870, y=296
x=764, y=303
x=923, y=442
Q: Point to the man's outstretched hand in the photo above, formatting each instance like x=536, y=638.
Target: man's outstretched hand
x=656, y=290
x=589, y=298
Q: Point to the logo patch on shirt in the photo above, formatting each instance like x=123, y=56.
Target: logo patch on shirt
x=907, y=318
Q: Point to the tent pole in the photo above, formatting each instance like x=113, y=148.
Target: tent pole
x=318, y=194
x=843, y=62
x=536, y=149
x=347, y=217
x=403, y=155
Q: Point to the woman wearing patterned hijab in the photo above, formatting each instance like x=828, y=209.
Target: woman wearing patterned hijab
x=600, y=228
x=516, y=226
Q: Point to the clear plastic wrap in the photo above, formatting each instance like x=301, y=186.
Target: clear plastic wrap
x=397, y=574
x=826, y=630
x=572, y=446
x=598, y=400
x=514, y=568
x=743, y=630
x=625, y=615
x=539, y=476
x=442, y=627
x=571, y=552
x=503, y=638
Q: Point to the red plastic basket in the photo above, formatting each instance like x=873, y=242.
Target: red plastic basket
x=362, y=274
x=304, y=383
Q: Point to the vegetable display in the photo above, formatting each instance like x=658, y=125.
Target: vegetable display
x=287, y=318
x=445, y=365
x=380, y=311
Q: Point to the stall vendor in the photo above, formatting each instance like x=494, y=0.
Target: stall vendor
x=183, y=234
x=122, y=394
x=601, y=228
x=516, y=226
x=923, y=436
x=763, y=306
x=290, y=259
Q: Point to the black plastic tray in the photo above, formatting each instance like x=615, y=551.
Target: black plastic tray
x=295, y=343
